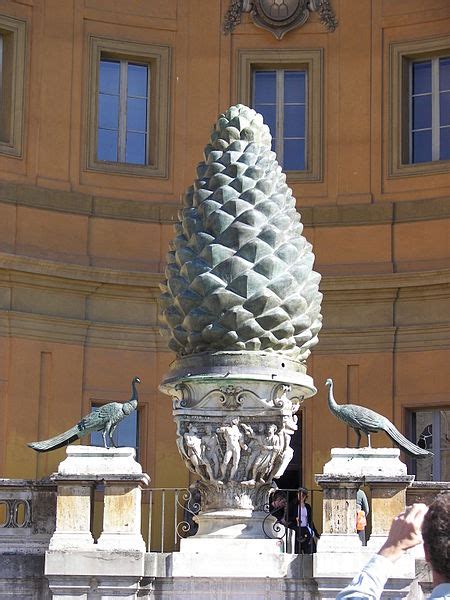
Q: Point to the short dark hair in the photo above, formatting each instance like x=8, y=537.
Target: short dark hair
x=435, y=528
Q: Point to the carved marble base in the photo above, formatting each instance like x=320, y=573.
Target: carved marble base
x=235, y=416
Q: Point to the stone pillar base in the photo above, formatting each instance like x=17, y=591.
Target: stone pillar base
x=71, y=540
x=235, y=523
x=339, y=542
x=121, y=541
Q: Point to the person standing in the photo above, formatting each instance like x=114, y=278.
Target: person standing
x=304, y=525
x=362, y=510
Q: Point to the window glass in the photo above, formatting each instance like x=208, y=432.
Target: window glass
x=445, y=143
x=430, y=110
x=123, y=112
x=135, y=148
x=137, y=80
x=444, y=74
x=126, y=434
x=109, y=77
x=430, y=430
x=265, y=87
x=1, y=63
x=421, y=77
x=421, y=146
x=280, y=96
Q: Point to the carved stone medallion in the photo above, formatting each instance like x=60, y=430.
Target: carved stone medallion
x=280, y=16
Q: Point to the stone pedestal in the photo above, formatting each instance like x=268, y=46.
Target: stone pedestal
x=75, y=566
x=235, y=415
x=340, y=554
x=388, y=500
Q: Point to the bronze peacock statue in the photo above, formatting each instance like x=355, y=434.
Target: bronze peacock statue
x=104, y=419
x=368, y=421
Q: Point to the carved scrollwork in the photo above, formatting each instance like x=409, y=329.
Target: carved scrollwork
x=182, y=395
x=231, y=397
x=280, y=396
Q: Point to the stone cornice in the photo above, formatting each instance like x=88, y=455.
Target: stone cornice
x=101, y=275
x=79, y=273
x=78, y=331
x=412, y=279
x=130, y=321
x=376, y=213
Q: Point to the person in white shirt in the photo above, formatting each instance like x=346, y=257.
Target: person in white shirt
x=416, y=524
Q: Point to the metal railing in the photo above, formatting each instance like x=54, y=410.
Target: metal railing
x=168, y=515
x=27, y=513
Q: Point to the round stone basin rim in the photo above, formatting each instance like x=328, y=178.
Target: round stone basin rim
x=229, y=366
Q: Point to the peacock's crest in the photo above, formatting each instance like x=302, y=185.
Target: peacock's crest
x=239, y=272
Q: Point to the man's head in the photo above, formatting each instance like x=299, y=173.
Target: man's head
x=435, y=528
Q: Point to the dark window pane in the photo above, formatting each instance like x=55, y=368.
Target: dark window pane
x=274, y=145
x=264, y=87
x=421, y=146
x=108, y=111
x=294, y=155
x=294, y=121
x=421, y=76
x=137, y=114
x=107, y=145
x=269, y=116
x=135, y=151
x=109, y=76
x=294, y=86
x=137, y=80
x=444, y=73
x=444, y=108
x=421, y=112
x=445, y=143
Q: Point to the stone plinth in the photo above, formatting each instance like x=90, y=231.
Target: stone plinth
x=101, y=574
x=340, y=553
x=363, y=462
x=75, y=566
x=122, y=478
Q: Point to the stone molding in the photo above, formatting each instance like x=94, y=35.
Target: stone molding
x=377, y=213
x=89, y=289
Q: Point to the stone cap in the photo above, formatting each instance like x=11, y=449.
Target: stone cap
x=101, y=478
x=92, y=462
x=365, y=462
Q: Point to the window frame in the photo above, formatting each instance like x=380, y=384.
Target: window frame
x=310, y=60
x=437, y=448
x=158, y=60
x=12, y=120
x=401, y=57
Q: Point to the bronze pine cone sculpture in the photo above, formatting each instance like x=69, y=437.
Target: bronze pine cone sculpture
x=239, y=272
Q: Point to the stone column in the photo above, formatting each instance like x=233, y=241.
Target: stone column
x=388, y=500
x=339, y=513
x=73, y=513
x=122, y=513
